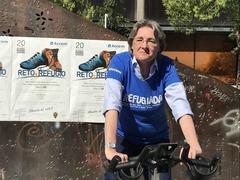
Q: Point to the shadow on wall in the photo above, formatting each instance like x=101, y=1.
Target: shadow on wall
x=222, y=66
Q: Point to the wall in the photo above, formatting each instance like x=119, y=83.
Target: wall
x=208, y=52
x=71, y=150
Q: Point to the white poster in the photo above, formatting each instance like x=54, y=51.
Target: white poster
x=90, y=60
x=51, y=79
x=5, y=77
x=40, y=79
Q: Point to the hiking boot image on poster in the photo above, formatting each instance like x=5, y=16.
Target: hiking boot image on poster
x=48, y=57
x=97, y=61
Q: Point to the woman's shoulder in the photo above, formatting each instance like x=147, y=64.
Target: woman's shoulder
x=121, y=60
x=122, y=57
x=125, y=54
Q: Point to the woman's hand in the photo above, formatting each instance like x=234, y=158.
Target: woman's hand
x=193, y=151
x=110, y=153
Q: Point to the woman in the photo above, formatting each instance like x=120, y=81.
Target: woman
x=138, y=84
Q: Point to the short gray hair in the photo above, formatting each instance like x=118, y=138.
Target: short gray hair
x=158, y=32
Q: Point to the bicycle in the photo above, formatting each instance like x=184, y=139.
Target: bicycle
x=160, y=158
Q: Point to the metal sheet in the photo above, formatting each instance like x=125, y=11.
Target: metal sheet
x=37, y=150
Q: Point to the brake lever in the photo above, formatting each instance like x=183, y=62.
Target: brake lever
x=200, y=166
x=111, y=165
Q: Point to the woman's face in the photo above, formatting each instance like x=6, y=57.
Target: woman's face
x=145, y=46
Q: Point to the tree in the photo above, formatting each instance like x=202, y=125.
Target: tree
x=114, y=9
x=188, y=15
x=96, y=13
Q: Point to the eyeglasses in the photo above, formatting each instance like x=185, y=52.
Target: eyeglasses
x=150, y=41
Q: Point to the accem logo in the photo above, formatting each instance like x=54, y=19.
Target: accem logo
x=58, y=43
x=116, y=46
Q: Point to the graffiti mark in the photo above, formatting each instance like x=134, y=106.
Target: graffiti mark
x=34, y=136
x=202, y=76
x=231, y=120
x=190, y=89
x=202, y=115
x=92, y=145
x=220, y=95
x=37, y=136
x=2, y=174
x=234, y=145
x=199, y=105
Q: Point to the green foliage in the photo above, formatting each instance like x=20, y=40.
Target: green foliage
x=233, y=8
x=187, y=15
x=80, y=7
x=114, y=9
x=208, y=9
x=93, y=12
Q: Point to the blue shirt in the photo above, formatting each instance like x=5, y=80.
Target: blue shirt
x=140, y=102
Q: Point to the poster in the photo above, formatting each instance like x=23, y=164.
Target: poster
x=54, y=79
x=40, y=79
x=90, y=60
x=5, y=77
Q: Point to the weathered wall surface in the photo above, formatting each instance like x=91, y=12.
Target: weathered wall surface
x=216, y=108
x=39, y=151
x=36, y=18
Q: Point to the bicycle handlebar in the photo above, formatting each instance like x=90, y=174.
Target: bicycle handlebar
x=161, y=156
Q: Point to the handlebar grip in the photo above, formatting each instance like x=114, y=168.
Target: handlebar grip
x=186, y=148
x=202, y=167
x=133, y=161
x=200, y=161
x=111, y=165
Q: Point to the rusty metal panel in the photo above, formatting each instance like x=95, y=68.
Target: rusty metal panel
x=35, y=18
x=216, y=108
x=42, y=150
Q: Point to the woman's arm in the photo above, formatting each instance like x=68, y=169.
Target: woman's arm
x=177, y=100
x=110, y=128
x=189, y=132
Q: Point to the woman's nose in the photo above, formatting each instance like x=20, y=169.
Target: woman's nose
x=144, y=44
